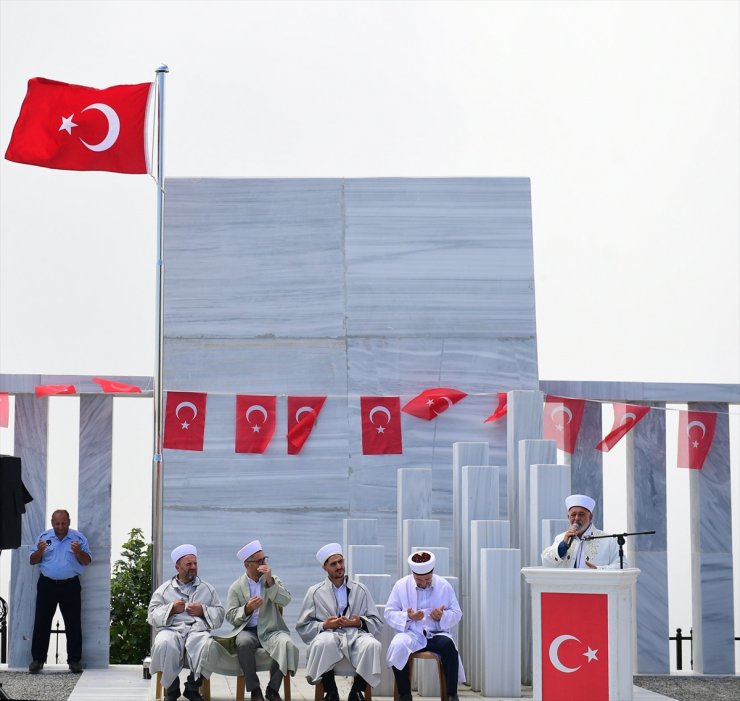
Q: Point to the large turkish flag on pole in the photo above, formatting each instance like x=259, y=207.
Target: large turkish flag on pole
x=575, y=647
x=73, y=127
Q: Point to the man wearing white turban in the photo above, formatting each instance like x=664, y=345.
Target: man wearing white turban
x=183, y=611
x=575, y=548
x=422, y=609
x=339, y=619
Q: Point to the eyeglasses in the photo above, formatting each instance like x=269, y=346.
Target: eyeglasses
x=261, y=561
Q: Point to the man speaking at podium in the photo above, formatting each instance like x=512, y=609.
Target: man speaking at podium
x=576, y=548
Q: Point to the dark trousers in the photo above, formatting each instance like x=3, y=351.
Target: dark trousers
x=51, y=593
x=444, y=647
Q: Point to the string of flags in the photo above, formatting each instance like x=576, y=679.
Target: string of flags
x=380, y=419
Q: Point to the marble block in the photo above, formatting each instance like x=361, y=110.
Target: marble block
x=530, y=452
x=365, y=559
x=422, y=533
x=524, y=420
x=387, y=681
x=462, y=454
x=501, y=618
x=413, y=501
x=586, y=464
x=651, y=603
x=442, y=559
x=359, y=531
x=379, y=585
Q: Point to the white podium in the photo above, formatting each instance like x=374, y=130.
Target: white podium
x=582, y=633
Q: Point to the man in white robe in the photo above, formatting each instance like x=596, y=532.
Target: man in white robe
x=577, y=547
x=423, y=609
x=339, y=619
x=183, y=610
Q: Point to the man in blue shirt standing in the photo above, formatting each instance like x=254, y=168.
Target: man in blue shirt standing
x=61, y=553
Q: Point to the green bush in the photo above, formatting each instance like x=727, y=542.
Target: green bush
x=129, y=600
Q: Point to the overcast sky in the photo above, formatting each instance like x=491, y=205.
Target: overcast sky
x=624, y=115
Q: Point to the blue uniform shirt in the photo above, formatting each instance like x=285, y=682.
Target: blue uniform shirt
x=59, y=562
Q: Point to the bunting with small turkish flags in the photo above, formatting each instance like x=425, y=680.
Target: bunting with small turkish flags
x=49, y=390
x=255, y=422
x=562, y=419
x=303, y=413
x=381, y=425
x=111, y=386
x=185, y=420
x=501, y=409
x=695, y=436
x=626, y=417
x=432, y=402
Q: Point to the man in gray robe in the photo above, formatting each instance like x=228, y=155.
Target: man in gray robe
x=183, y=610
x=338, y=620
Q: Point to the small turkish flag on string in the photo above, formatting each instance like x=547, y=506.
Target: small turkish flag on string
x=562, y=420
x=626, y=417
x=73, y=127
x=185, y=420
x=433, y=402
x=4, y=410
x=303, y=412
x=381, y=425
x=47, y=390
x=255, y=422
x=695, y=436
x=500, y=409
x=575, y=647
x=113, y=386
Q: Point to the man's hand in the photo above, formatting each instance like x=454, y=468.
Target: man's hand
x=333, y=622
x=436, y=614
x=414, y=615
x=353, y=622
x=266, y=571
x=571, y=533
x=194, y=609
x=179, y=606
x=252, y=605
x=593, y=567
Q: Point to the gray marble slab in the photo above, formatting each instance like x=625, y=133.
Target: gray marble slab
x=365, y=559
x=380, y=586
x=531, y=452
x=586, y=463
x=633, y=392
x=413, y=501
x=359, y=531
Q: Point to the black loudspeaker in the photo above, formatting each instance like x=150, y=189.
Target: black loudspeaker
x=13, y=499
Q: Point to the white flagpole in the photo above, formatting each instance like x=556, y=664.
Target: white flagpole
x=158, y=461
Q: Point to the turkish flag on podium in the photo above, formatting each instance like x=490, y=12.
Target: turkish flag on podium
x=73, y=127
x=185, y=420
x=695, y=436
x=255, y=422
x=575, y=647
x=381, y=425
x=303, y=413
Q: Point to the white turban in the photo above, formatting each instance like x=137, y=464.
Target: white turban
x=249, y=549
x=422, y=562
x=182, y=550
x=327, y=551
x=579, y=500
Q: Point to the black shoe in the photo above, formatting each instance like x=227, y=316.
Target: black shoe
x=257, y=695
x=193, y=695
x=173, y=691
x=356, y=695
x=331, y=696
x=272, y=695
x=35, y=667
x=75, y=667
x=452, y=697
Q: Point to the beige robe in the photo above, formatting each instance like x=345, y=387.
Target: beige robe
x=602, y=552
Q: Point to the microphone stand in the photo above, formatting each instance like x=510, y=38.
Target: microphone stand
x=620, y=540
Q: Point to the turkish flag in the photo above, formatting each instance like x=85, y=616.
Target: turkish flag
x=575, y=647
x=303, y=412
x=73, y=127
x=562, y=419
x=626, y=417
x=185, y=420
x=47, y=390
x=4, y=410
x=695, y=436
x=381, y=425
x=433, y=402
x=255, y=422
x=501, y=409
x=112, y=386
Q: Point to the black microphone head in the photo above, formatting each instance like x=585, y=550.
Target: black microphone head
x=48, y=542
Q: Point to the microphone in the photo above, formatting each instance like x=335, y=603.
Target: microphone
x=48, y=542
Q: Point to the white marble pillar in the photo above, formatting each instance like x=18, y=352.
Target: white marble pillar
x=365, y=559
x=483, y=534
x=586, y=464
x=462, y=454
x=550, y=485
x=387, y=681
x=711, y=553
x=359, y=531
x=379, y=585
x=422, y=533
x=647, y=511
x=413, y=501
x=500, y=617
x=31, y=429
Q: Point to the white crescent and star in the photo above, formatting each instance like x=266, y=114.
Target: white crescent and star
x=114, y=126
x=304, y=410
x=555, y=660
x=382, y=410
x=186, y=405
x=259, y=408
x=560, y=409
x=449, y=404
x=629, y=416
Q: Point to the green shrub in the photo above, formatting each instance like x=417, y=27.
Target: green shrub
x=129, y=600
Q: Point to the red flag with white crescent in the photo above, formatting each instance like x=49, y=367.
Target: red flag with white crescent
x=626, y=417
x=49, y=390
x=185, y=420
x=74, y=127
x=562, y=419
x=381, y=425
x=432, y=402
x=4, y=410
x=575, y=647
x=303, y=413
x=695, y=436
x=255, y=422
x=111, y=386
x=501, y=409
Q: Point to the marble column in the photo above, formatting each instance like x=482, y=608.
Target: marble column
x=711, y=553
x=379, y=585
x=647, y=511
x=462, y=454
x=31, y=437
x=387, y=681
x=413, y=501
x=94, y=506
x=550, y=485
x=365, y=559
x=359, y=531
x=422, y=533
x=524, y=420
x=501, y=617
x=586, y=464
